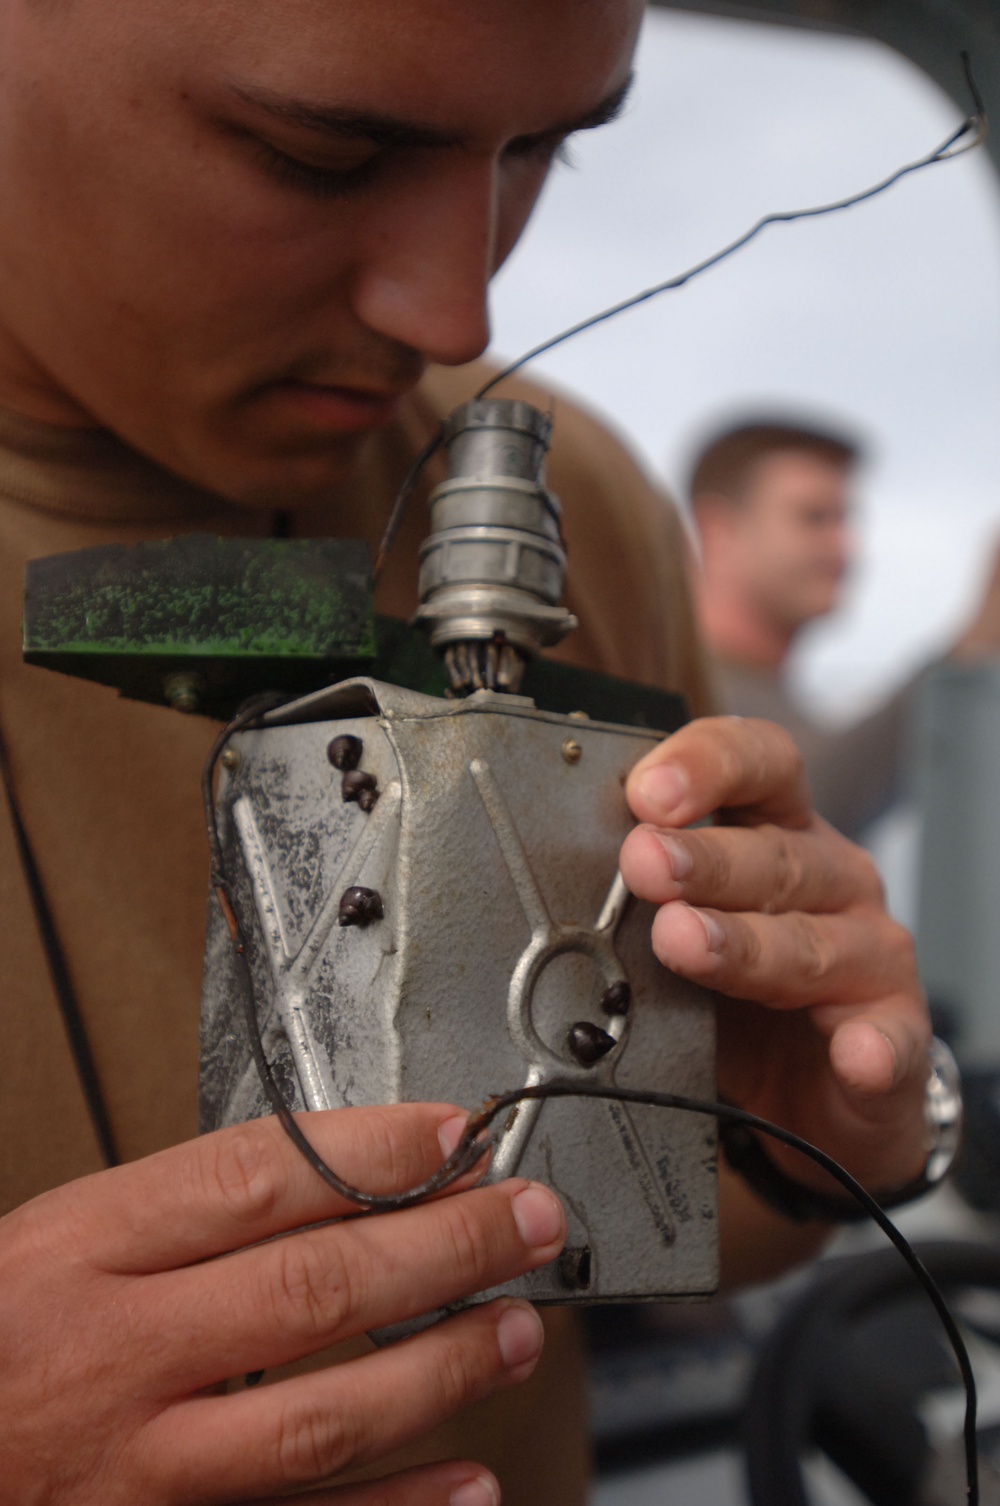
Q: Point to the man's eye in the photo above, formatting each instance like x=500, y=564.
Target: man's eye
x=540, y=149
x=356, y=171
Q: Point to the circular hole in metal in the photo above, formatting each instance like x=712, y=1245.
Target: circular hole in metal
x=568, y=991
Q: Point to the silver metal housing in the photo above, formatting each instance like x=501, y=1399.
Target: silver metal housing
x=493, y=847
x=492, y=570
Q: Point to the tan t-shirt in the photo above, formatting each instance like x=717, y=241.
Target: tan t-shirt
x=854, y=772
x=108, y=792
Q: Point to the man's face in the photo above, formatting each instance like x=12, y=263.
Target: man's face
x=235, y=231
x=791, y=537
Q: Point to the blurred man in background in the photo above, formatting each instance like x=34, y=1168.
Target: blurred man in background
x=773, y=508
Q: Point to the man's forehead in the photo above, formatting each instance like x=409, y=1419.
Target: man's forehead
x=786, y=481
x=786, y=468
x=451, y=66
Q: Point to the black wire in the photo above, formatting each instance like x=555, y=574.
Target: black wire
x=978, y=105
x=976, y=123
x=62, y=984
x=558, y=1089
x=402, y=499
x=471, y=1148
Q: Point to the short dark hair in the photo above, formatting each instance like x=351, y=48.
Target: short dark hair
x=724, y=464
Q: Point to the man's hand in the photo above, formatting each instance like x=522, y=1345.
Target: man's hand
x=823, y=1026
x=128, y=1299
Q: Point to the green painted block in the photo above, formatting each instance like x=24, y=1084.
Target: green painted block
x=203, y=622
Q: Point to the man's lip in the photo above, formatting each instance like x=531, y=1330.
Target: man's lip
x=347, y=409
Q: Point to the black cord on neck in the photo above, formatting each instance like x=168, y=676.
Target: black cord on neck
x=62, y=984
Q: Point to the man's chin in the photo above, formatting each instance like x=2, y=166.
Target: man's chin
x=819, y=605
x=287, y=481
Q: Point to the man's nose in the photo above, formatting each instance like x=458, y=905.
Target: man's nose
x=424, y=276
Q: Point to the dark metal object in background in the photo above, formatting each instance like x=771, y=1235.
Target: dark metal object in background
x=853, y=1368
x=931, y=33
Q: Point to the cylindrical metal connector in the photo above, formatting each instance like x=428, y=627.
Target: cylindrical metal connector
x=492, y=570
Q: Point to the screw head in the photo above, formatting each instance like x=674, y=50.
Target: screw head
x=617, y=998
x=356, y=783
x=575, y=1267
x=588, y=1042
x=359, y=907
x=230, y=759
x=344, y=752
x=571, y=750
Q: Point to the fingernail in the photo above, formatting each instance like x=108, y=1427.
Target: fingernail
x=895, y=1056
x=538, y=1216
x=451, y=1132
x=478, y=1492
x=715, y=934
x=520, y=1335
x=680, y=860
x=664, y=787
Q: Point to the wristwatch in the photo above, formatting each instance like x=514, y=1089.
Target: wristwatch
x=942, y=1118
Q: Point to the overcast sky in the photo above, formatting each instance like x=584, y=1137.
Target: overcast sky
x=885, y=318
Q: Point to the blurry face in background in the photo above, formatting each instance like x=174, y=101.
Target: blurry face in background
x=235, y=231
x=790, y=538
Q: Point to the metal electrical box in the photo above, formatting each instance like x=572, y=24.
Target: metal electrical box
x=461, y=931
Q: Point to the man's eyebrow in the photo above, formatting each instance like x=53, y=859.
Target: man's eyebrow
x=383, y=130
x=386, y=130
